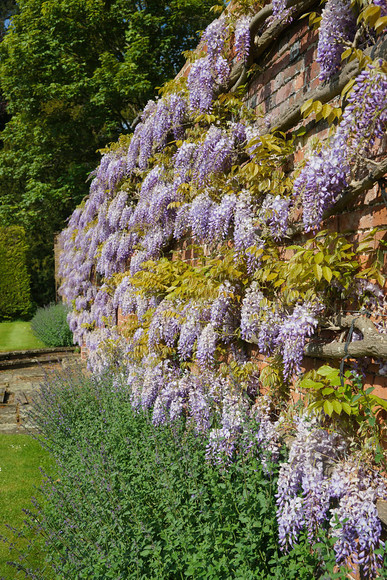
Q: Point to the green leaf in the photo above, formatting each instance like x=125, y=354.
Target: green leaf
x=347, y=408
x=318, y=258
x=327, y=391
x=328, y=408
x=307, y=107
x=371, y=14
x=378, y=401
x=309, y=384
x=327, y=273
x=380, y=24
x=337, y=406
x=318, y=271
x=328, y=372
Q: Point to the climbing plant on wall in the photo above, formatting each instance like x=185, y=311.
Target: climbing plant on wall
x=200, y=173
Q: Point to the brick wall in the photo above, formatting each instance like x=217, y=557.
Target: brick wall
x=284, y=76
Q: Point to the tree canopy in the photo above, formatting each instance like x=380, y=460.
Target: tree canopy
x=74, y=74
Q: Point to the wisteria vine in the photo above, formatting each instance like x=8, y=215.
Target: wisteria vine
x=173, y=184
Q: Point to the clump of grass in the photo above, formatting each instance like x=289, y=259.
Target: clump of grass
x=21, y=458
x=51, y=327
x=18, y=335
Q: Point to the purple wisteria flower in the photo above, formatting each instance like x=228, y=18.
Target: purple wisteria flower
x=206, y=346
x=327, y=174
x=242, y=38
x=250, y=313
x=303, y=488
x=165, y=324
x=280, y=12
x=190, y=330
x=210, y=70
x=338, y=25
x=199, y=216
x=321, y=182
x=201, y=84
x=355, y=522
x=245, y=230
x=292, y=335
x=220, y=308
x=260, y=320
x=214, y=36
x=221, y=218
x=274, y=212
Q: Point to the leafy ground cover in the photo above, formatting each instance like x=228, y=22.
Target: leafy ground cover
x=20, y=459
x=18, y=335
x=135, y=500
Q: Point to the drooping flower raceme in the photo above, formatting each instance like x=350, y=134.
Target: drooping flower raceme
x=242, y=38
x=292, y=335
x=201, y=85
x=327, y=173
x=338, y=25
x=210, y=70
x=206, y=346
x=365, y=117
x=303, y=489
x=355, y=521
x=322, y=180
x=275, y=212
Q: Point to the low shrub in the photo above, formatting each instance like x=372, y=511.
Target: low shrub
x=50, y=325
x=131, y=500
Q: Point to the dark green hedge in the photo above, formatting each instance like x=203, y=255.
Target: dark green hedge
x=15, y=300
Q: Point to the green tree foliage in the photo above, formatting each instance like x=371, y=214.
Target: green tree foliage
x=75, y=73
x=7, y=9
x=14, y=280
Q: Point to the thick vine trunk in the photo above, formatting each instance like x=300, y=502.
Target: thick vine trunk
x=372, y=345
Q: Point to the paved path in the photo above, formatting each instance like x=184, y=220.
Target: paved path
x=21, y=374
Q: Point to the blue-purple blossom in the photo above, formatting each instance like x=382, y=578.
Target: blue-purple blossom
x=303, y=489
x=274, y=212
x=293, y=332
x=201, y=84
x=242, y=38
x=355, y=522
x=338, y=25
x=214, y=36
x=327, y=173
x=206, y=346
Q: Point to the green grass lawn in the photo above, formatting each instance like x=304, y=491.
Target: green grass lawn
x=20, y=459
x=18, y=336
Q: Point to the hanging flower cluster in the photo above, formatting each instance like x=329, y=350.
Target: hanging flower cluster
x=338, y=25
x=314, y=476
x=327, y=173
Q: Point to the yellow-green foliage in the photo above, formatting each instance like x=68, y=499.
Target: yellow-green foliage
x=15, y=299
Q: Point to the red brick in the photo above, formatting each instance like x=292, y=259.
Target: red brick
x=373, y=217
x=373, y=194
x=299, y=81
x=284, y=93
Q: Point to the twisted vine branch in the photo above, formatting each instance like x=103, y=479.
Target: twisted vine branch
x=372, y=345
